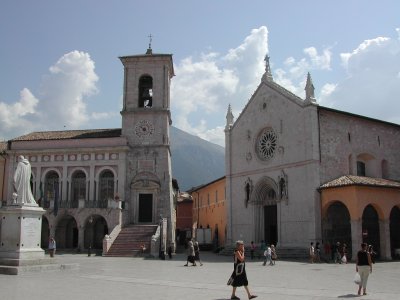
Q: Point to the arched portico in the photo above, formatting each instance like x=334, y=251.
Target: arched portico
x=369, y=202
x=44, y=239
x=95, y=230
x=336, y=225
x=395, y=232
x=66, y=233
x=370, y=228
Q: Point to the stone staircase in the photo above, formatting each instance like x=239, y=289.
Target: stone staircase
x=129, y=240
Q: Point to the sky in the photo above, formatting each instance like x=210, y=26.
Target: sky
x=60, y=67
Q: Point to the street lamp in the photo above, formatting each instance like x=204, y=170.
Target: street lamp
x=90, y=235
x=161, y=253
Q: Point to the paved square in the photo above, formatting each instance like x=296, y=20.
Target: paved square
x=138, y=278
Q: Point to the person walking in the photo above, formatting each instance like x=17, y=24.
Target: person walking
x=317, y=253
x=372, y=253
x=344, y=253
x=337, y=256
x=239, y=277
x=274, y=256
x=52, y=246
x=197, y=252
x=190, y=254
x=267, y=256
x=311, y=252
x=170, y=250
x=363, y=267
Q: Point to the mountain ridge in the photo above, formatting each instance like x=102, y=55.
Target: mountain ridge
x=195, y=161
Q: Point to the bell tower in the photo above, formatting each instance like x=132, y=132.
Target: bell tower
x=146, y=119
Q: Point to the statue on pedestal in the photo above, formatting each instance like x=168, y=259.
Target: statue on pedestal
x=22, y=182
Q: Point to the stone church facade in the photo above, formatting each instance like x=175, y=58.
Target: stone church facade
x=285, y=154
x=93, y=183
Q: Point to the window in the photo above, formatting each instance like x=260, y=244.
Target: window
x=106, y=188
x=216, y=196
x=208, y=199
x=360, y=168
x=50, y=188
x=146, y=91
x=78, y=186
x=266, y=144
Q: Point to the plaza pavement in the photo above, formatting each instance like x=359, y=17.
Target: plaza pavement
x=139, y=278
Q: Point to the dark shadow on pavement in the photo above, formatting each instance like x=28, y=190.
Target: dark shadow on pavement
x=349, y=296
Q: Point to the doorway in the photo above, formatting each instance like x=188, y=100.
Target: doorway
x=145, y=208
x=270, y=224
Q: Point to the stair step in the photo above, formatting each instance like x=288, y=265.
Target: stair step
x=128, y=242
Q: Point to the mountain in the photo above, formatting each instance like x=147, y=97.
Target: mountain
x=195, y=161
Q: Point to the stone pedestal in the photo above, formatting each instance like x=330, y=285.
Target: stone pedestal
x=21, y=228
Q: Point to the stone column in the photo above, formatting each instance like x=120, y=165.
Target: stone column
x=81, y=238
x=356, y=237
x=384, y=233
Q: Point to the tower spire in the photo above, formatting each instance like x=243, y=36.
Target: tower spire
x=229, y=118
x=267, y=75
x=309, y=89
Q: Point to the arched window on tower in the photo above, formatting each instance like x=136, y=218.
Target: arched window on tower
x=145, y=91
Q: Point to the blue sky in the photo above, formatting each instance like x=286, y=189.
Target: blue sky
x=59, y=66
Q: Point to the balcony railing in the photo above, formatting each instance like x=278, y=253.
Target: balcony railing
x=80, y=204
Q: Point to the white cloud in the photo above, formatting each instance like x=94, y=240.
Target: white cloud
x=207, y=85
x=62, y=99
x=17, y=115
x=293, y=74
x=372, y=84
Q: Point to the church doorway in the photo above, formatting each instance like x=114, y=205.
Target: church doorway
x=271, y=224
x=145, y=208
x=395, y=232
x=370, y=228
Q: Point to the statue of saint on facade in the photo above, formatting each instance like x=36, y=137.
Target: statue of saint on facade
x=22, y=182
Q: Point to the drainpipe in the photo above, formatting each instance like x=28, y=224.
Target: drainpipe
x=198, y=210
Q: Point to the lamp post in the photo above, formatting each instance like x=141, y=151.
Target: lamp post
x=161, y=253
x=90, y=235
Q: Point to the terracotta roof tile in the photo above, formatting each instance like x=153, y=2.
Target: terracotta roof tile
x=70, y=134
x=348, y=180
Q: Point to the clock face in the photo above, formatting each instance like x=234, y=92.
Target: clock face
x=144, y=129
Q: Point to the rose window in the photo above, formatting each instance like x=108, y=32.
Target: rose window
x=266, y=144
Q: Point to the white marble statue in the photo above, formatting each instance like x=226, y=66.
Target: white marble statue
x=22, y=180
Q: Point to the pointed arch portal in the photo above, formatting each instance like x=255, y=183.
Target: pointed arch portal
x=264, y=201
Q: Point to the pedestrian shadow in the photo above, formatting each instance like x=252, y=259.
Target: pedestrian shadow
x=349, y=296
